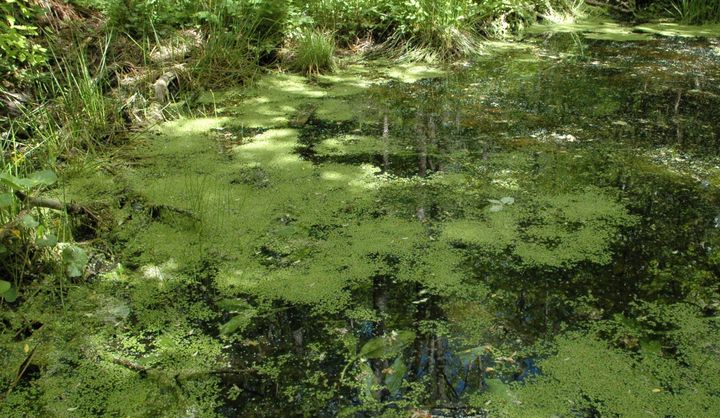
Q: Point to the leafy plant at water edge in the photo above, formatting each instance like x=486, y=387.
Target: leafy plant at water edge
x=26, y=239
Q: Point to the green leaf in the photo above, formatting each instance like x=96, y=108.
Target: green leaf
x=74, y=260
x=11, y=295
x=4, y=286
x=394, y=378
x=16, y=183
x=233, y=305
x=50, y=240
x=6, y=200
x=496, y=208
x=388, y=345
x=238, y=323
x=39, y=178
x=508, y=200
x=368, y=380
x=29, y=222
x=45, y=177
x=499, y=389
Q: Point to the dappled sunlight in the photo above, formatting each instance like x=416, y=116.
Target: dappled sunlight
x=679, y=30
x=194, y=126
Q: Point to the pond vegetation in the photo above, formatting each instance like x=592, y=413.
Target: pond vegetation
x=261, y=208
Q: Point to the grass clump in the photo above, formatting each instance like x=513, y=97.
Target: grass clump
x=314, y=52
x=696, y=11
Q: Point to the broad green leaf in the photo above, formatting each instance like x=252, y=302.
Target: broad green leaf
x=368, y=380
x=29, y=222
x=50, y=240
x=16, y=183
x=45, y=177
x=233, y=305
x=238, y=323
x=10, y=295
x=508, y=200
x=6, y=200
x=394, y=377
x=499, y=389
x=388, y=345
x=4, y=286
x=74, y=260
x=496, y=208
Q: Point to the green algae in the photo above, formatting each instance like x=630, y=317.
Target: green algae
x=564, y=229
x=585, y=374
x=679, y=30
x=611, y=31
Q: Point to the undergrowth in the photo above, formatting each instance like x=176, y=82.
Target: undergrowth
x=696, y=11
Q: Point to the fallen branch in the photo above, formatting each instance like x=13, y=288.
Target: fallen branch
x=183, y=374
x=30, y=202
x=44, y=202
x=599, y=3
x=162, y=86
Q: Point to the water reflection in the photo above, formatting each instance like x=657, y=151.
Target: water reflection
x=564, y=133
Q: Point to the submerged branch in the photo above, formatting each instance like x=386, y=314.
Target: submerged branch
x=30, y=202
x=614, y=7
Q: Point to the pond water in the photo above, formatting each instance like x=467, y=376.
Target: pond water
x=493, y=236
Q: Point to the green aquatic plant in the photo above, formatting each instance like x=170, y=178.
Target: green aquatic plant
x=553, y=231
x=675, y=376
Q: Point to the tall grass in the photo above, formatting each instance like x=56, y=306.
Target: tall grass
x=444, y=28
x=314, y=52
x=86, y=117
x=696, y=11
x=564, y=11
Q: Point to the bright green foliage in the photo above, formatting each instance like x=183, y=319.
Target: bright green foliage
x=143, y=17
x=18, y=51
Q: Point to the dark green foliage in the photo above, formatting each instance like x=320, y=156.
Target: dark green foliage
x=696, y=11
